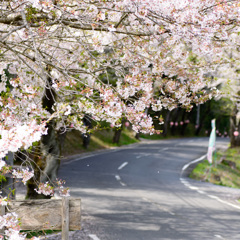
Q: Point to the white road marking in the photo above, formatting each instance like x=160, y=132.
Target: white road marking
x=143, y=155
x=211, y=196
x=123, y=184
x=218, y=236
x=225, y=202
x=123, y=165
x=193, y=188
x=119, y=179
x=185, y=167
x=202, y=192
x=194, y=161
x=183, y=180
x=94, y=237
x=187, y=184
x=164, y=149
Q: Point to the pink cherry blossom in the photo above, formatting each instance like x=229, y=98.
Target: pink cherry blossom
x=25, y=174
x=236, y=133
x=45, y=189
x=127, y=124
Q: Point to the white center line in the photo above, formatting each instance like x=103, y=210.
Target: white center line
x=118, y=177
x=193, y=188
x=218, y=236
x=164, y=149
x=123, y=165
x=94, y=237
x=123, y=184
x=202, y=192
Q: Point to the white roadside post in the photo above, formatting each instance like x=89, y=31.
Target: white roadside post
x=212, y=142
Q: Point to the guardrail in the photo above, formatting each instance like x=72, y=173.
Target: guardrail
x=55, y=214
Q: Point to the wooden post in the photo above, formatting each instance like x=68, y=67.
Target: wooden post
x=2, y=212
x=65, y=218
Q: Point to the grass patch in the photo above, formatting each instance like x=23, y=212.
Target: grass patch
x=152, y=137
x=225, y=171
x=99, y=140
x=31, y=234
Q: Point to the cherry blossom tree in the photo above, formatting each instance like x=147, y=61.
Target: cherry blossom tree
x=231, y=94
x=54, y=52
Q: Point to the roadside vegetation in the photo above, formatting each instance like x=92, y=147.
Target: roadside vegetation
x=99, y=140
x=224, y=171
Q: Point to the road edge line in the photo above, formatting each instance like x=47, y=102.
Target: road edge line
x=185, y=182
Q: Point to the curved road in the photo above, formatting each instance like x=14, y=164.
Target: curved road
x=140, y=192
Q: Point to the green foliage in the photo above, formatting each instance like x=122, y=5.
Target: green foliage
x=31, y=15
x=201, y=171
x=2, y=178
x=225, y=171
x=101, y=139
x=30, y=12
x=109, y=76
x=9, y=76
x=31, y=234
x=193, y=58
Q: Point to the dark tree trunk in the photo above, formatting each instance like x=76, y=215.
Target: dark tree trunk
x=86, y=137
x=47, y=160
x=166, y=123
x=47, y=153
x=235, y=140
x=137, y=136
x=202, y=117
x=86, y=140
x=174, y=119
x=183, y=127
x=117, y=135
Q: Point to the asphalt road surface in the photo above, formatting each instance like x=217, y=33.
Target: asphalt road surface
x=141, y=192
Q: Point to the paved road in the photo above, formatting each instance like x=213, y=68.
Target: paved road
x=140, y=193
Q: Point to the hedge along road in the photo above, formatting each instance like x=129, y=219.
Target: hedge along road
x=140, y=192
